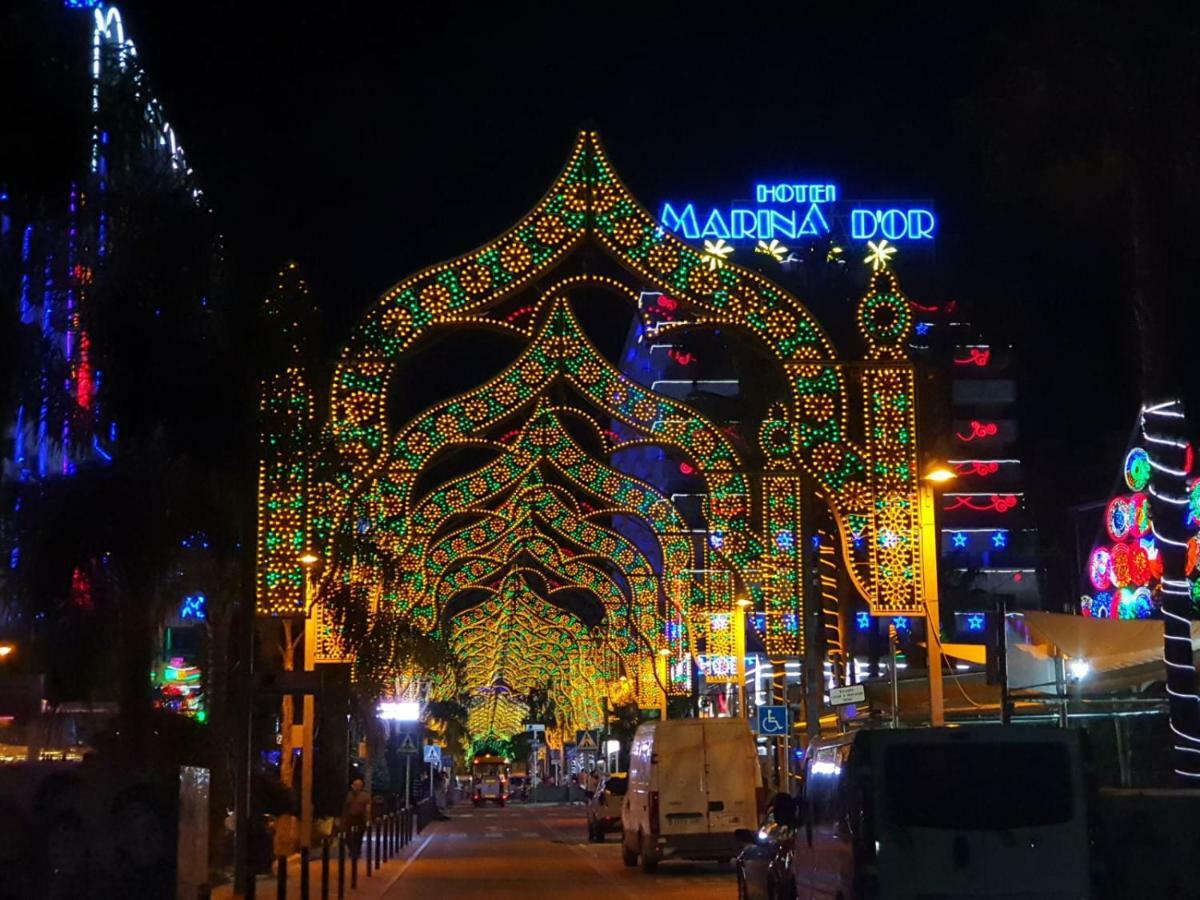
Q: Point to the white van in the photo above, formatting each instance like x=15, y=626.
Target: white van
x=982, y=811
x=692, y=784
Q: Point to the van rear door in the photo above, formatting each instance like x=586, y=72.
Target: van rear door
x=730, y=775
x=974, y=815
x=679, y=767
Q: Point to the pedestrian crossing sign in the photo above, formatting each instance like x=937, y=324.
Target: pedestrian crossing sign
x=587, y=741
x=408, y=745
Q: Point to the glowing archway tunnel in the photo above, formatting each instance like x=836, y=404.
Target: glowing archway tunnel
x=526, y=561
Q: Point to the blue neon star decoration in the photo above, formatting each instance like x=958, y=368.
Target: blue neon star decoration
x=923, y=328
x=862, y=621
x=1000, y=540
x=960, y=540
x=901, y=623
x=976, y=621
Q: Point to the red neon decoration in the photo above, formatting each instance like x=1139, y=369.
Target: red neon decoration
x=667, y=303
x=509, y=435
x=948, y=308
x=684, y=359
x=83, y=375
x=979, y=430
x=517, y=313
x=976, y=356
x=1000, y=503
x=686, y=468
x=981, y=467
x=81, y=590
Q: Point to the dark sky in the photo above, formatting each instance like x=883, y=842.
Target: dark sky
x=367, y=145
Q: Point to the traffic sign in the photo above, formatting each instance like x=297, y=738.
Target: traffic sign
x=408, y=745
x=534, y=726
x=586, y=740
x=433, y=754
x=850, y=693
x=772, y=720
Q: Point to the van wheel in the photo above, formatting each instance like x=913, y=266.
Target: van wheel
x=629, y=857
x=599, y=834
x=649, y=857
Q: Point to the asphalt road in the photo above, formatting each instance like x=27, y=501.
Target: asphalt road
x=540, y=851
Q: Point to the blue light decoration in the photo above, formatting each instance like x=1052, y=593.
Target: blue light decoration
x=959, y=539
x=922, y=328
x=1000, y=539
x=716, y=540
x=902, y=623
x=674, y=631
x=194, y=606
x=862, y=620
x=791, y=623
x=785, y=540
x=976, y=622
x=759, y=621
x=791, y=211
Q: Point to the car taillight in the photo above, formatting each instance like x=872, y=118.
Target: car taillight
x=654, y=827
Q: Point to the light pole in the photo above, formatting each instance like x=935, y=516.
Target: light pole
x=309, y=561
x=739, y=648
x=664, y=669
x=929, y=578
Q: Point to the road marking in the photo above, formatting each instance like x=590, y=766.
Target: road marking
x=408, y=862
x=530, y=834
x=493, y=834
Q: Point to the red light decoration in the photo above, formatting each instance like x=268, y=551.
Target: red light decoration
x=518, y=313
x=665, y=302
x=84, y=383
x=976, y=356
x=1122, y=566
x=684, y=359
x=981, y=467
x=686, y=468
x=1000, y=503
x=979, y=430
x=81, y=590
x=1139, y=565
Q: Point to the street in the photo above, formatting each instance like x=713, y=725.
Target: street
x=540, y=851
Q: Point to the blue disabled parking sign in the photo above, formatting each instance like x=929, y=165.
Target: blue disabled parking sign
x=772, y=720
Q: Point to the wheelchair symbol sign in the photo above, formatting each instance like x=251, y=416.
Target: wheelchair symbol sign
x=772, y=720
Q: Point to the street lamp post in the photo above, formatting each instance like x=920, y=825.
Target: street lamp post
x=664, y=667
x=309, y=561
x=932, y=600
x=739, y=648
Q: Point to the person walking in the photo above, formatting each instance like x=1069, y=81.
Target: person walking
x=354, y=815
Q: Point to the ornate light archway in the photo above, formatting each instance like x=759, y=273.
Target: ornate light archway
x=534, y=526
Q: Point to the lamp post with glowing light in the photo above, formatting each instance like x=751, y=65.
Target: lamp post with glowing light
x=937, y=475
x=739, y=648
x=664, y=671
x=309, y=561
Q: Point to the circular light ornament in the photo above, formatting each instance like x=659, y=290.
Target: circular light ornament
x=1193, y=509
x=1143, y=603
x=1193, y=554
x=1137, y=469
x=1139, y=565
x=1121, y=570
x=1100, y=568
x=1119, y=518
x=1125, y=604
x=1102, y=605
x=1140, y=527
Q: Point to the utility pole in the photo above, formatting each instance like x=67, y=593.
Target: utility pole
x=893, y=639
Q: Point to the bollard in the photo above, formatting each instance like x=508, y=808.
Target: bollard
x=325, y=869
x=304, y=873
x=367, y=850
x=281, y=878
x=341, y=865
x=354, y=869
x=378, y=845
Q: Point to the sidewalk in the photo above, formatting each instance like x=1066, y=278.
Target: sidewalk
x=369, y=887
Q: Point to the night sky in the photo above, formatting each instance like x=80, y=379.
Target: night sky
x=368, y=146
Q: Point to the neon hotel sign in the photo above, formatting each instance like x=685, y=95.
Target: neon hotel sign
x=796, y=211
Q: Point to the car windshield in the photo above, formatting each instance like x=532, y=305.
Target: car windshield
x=978, y=786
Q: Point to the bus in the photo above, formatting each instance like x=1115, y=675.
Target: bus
x=489, y=777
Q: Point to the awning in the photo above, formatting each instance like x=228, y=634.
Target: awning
x=1106, y=644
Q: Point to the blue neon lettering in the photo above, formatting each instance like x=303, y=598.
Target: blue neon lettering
x=893, y=224
x=715, y=226
x=859, y=220
x=742, y=224
x=920, y=224
x=811, y=220
x=683, y=221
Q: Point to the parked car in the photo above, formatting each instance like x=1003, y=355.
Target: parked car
x=692, y=784
x=944, y=812
x=604, y=806
x=764, y=867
